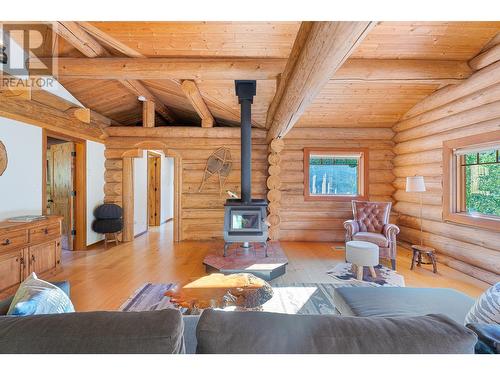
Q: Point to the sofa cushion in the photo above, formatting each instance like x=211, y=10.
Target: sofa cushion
x=376, y=238
x=5, y=304
x=94, y=332
x=36, y=296
x=224, y=332
x=487, y=307
x=392, y=302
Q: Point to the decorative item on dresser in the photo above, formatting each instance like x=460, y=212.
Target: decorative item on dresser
x=27, y=247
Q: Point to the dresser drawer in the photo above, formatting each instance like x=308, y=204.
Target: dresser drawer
x=42, y=233
x=13, y=239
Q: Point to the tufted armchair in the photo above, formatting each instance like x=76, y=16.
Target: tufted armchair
x=371, y=224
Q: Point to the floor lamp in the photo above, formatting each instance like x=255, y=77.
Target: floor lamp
x=416, y=184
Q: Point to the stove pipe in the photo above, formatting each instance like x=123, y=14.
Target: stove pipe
x=245, y=90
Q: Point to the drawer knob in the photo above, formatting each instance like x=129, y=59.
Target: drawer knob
x=6, y=242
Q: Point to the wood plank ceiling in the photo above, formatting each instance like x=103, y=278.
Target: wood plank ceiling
x=342, y=103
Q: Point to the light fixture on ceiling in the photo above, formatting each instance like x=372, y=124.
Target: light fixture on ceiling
x=142, y=98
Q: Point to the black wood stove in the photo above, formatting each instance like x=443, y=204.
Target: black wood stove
x=245, y=219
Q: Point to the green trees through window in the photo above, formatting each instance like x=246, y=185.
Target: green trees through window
x=482, y=182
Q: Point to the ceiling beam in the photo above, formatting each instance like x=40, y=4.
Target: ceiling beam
x=80, y=39
x=196, y=99
x=485, y=58
x=88, y=38
x=41, y=112
x=318, y=51
x=372, y=70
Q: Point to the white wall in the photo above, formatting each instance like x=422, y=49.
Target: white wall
x=141, y=194
x=167, y=189
x=95, y=186
x=21, y=183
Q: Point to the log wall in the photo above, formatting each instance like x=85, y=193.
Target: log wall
x=303, y=220
x=201, y=213
x=469, y=108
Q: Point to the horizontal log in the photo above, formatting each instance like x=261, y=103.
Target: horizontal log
x=291, y=155
x=479, y=80
x=332, y=224
x=113, y=188
x=425, y=170
x=225, y=68
x=475, y=255
x=113, y=164
x=413, y=209
x=472, y=116
x=428, y=198
x=435, y=141
x=476, y=236
x=181, y=132
x=113, y=175
x=487, y=95
x=424, y=157
x=341, y=133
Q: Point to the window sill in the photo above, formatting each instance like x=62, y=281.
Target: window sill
x=482, y=222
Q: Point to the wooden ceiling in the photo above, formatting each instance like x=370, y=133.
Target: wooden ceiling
x=341, y=103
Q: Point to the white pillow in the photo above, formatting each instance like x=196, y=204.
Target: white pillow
x=36, y=296
x=487, y=307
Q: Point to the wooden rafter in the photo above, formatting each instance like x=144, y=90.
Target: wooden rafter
x=196, y=99
x=318, y=52
x=87, y=39
x=80, y=39
x=137, y=88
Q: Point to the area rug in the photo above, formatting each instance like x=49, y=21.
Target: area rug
x=149, y=297
x=297, y=298
x=385, y=276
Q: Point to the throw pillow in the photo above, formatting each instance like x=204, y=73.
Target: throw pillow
x=487, y=307
x=36, y=296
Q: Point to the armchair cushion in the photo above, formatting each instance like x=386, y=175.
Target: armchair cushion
x=390, y=230
x=371, y=216
x=376, y=238
x=351, y=227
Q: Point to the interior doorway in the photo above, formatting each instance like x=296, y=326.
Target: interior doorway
x=63, y=192
x=154, y=189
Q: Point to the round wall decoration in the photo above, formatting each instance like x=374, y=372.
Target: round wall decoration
x=3, y=158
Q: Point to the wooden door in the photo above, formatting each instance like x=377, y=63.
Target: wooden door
x=43, y=257
x=61, y=199
x=11, y=269
x=154, y=189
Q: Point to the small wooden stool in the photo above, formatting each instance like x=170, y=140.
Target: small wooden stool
x=418, y=250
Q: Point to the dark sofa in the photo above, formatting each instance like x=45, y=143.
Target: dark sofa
x=167, y=331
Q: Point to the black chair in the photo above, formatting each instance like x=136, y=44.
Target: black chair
x=108, y=221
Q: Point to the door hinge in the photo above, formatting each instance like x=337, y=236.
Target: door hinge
x=73, y=232
x=73, y=153
x=73, y=193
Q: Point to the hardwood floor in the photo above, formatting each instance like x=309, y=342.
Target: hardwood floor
x=103, y=279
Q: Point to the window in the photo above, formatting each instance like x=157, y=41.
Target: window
x=335, y=174
x=472, y=180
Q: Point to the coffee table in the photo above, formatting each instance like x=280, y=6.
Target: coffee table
x=242, y=290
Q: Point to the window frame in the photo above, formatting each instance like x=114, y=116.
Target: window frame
x=363, y=169
x=454, y=183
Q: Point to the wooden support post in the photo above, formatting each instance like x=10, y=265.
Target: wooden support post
x=148, y=114
x=128, y=199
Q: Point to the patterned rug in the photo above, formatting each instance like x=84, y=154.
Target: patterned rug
x=385, y=276
x=298, y=298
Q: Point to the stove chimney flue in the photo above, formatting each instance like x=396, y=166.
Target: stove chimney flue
x=246, y=90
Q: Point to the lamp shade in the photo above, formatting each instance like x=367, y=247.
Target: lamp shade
x=415, y=184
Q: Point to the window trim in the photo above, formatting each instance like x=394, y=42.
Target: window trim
x=362, y=176
x=452, y=192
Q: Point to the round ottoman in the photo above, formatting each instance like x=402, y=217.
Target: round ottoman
x=362, y=254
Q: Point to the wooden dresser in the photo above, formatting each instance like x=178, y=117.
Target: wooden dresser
x=28, y=247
